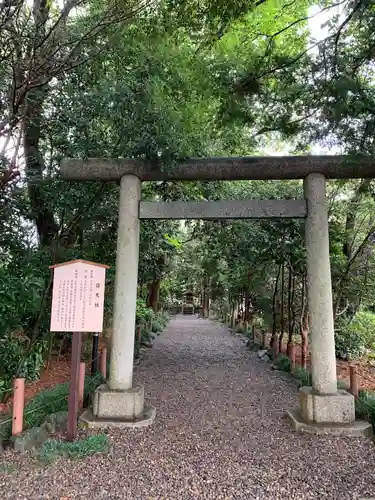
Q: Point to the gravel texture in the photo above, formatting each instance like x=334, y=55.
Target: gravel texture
x=220, y=433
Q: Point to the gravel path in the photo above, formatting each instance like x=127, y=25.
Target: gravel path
x=220, y=433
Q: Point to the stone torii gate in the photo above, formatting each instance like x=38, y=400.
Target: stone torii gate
x=323, y=408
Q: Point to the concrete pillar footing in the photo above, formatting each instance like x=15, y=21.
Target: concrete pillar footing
x=118, y=409
x=357, y=428
x=332, y=414
x=126, y=405
x=337, y=408
x=90, y=421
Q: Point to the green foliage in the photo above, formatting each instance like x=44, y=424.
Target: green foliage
x=53, y=448
x=365, y=406
x=44, y=403
x=302, y=375
x=18, y=357
x=157, y=326
x=163, y=318
x=6, y=428
x=158, y=323
x=255, y=346
x=144, y=314
x=349, y=341
x=23, y=318
x=364, y=324
x=20, y=295
x=174, y=242
x=53, y=401
x=283, y=363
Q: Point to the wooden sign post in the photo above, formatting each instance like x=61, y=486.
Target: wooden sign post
x=77, y=307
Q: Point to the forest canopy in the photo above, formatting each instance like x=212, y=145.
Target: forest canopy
x=168, y=80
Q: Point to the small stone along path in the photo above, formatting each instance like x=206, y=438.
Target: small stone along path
x=220, y=433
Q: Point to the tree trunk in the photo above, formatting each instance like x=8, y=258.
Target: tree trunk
x=274, y=312
x=293, y=312
x=239, y=307
x=153, y=294
x=41, y=211
x=247, y=306
x=206, y=297
x=304, y=326
x=281, y=337
x=290, y=308
x=206, y=304
x=233, y=316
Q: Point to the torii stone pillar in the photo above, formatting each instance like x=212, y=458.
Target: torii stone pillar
x=319, y=287
x=118, y=403
x=122, y=342
x=322, y=406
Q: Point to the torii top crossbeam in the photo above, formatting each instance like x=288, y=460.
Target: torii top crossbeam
x=216, y=169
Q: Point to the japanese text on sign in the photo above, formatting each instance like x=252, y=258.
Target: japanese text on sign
x=78, y=297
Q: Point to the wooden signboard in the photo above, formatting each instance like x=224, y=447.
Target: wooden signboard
x=77, y=306
x=78, y=297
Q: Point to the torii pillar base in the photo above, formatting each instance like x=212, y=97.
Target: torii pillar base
x=357, y=428
x=328, y=414
x=124, y=409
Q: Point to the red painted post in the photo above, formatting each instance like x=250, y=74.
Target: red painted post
x=81, y=385
x=292, y=356
x=74, y=387
x=353, y=380
x=18, y=405
x=103, y=362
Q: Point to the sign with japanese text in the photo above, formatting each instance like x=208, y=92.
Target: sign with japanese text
x=78, y=297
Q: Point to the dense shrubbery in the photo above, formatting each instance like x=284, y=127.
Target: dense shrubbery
x=159, y=323
x=149, y=322
x=240, y=328
x=353, y=338
x=21, y=289
x=283, y=363
x=18, y=357
x=364, y=324
x=365, y=406
x=22, y=327
x=349, y=343
x=144, y=314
